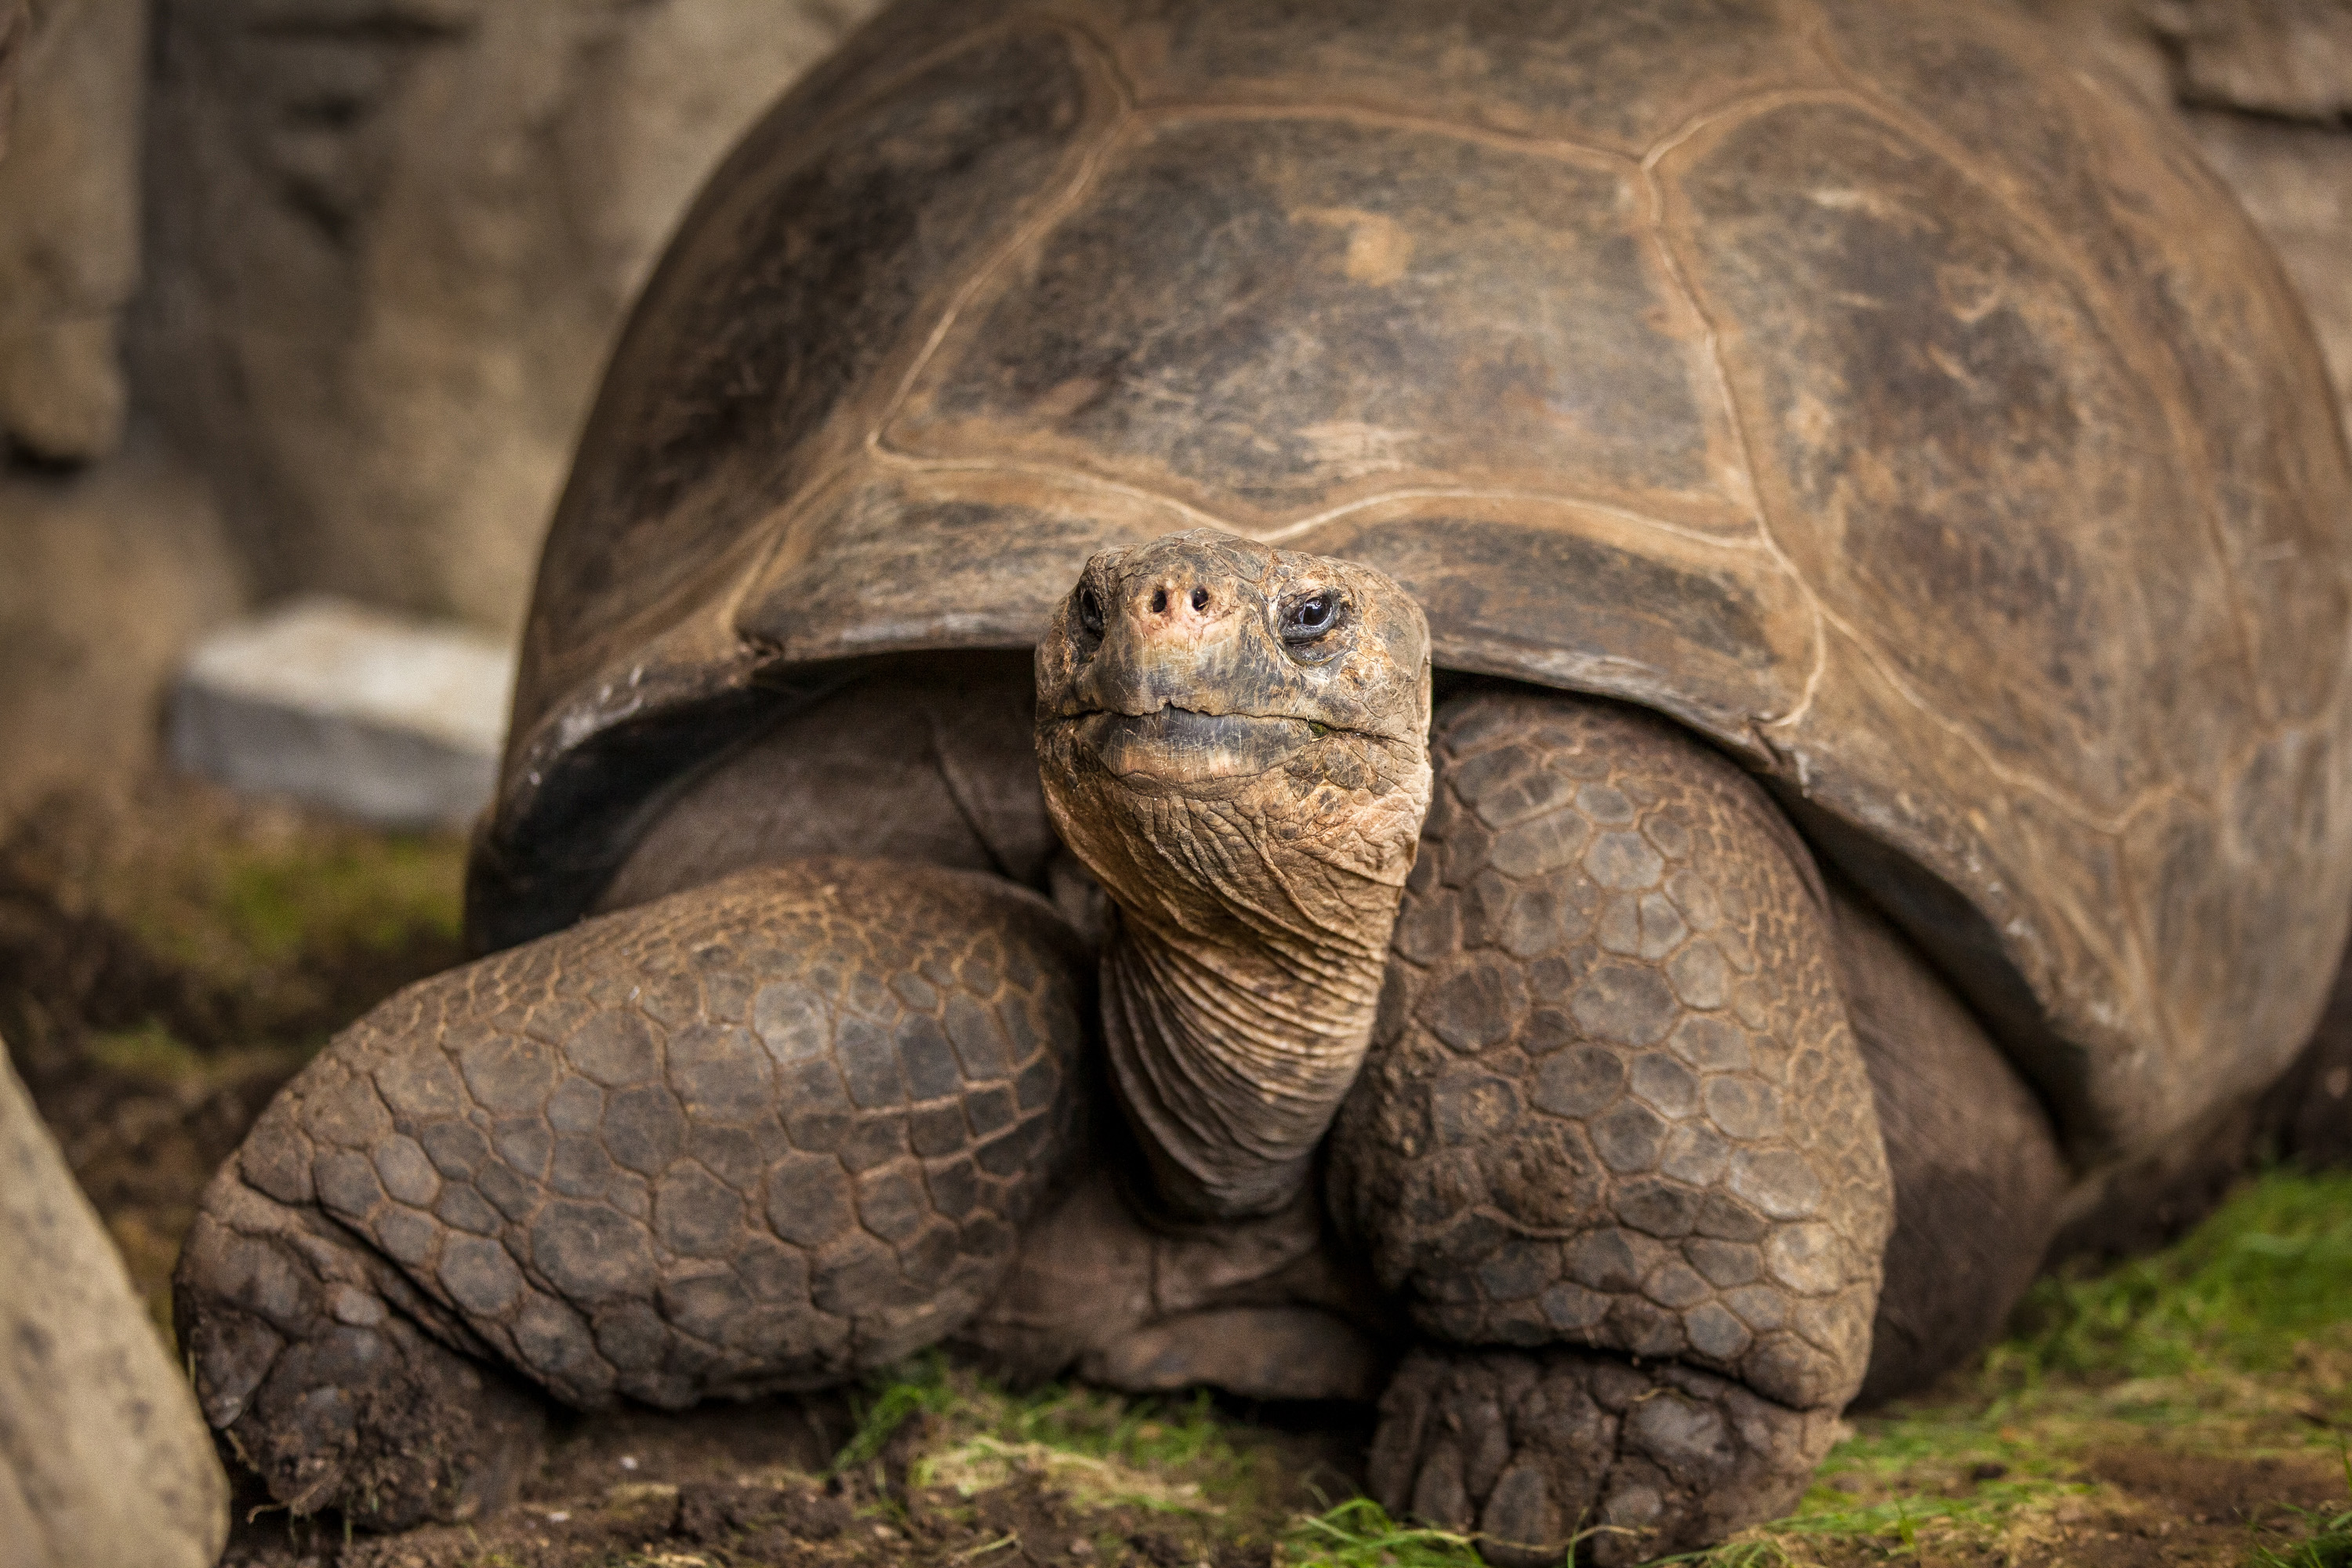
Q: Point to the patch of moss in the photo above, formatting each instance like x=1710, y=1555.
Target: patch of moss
x=979, y=1423
x=1173, y=1437
x=179, y=914
x=152, y=1054
x=2242, y=1292
x=983, y=1461
x=150, y=1051
x=250, y=908
x=364, y=892
x=1209, y=1483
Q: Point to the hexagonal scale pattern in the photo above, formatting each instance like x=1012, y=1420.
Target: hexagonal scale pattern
x=762, y=1134
x=1614, y=1098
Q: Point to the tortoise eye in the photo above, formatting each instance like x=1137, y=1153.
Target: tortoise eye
x=1308, y=618
x=1090, y=615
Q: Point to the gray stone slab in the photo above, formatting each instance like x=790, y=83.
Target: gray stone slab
x=392, y=721
x=104, y=1462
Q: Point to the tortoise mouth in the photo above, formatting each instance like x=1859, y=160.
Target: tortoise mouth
x=1180, y=744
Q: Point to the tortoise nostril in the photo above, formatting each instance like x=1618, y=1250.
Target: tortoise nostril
x=1159, y=601
x=1199, y=598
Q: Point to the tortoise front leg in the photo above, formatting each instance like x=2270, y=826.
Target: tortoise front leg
x=761, y=1135
x=1614, y=1144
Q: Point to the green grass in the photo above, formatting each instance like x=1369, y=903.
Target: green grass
x=889, y=1401
x=1358, y=1533
x=2242, y=1293
x=2328, y=1544
x=2326, y=1539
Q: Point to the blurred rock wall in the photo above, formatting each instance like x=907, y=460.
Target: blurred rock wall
x=2264, y=88
x=70, y=228
x=112, y=557
x=391, y=240
x=312, y=294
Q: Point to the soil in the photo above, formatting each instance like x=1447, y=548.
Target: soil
x=746, y=1484
x=739, y=1488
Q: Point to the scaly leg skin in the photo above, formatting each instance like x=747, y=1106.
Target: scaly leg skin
x=1264, y=1308
x=1614, y=1146
x=757, y=1136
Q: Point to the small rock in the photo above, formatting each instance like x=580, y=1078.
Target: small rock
x=392, y=721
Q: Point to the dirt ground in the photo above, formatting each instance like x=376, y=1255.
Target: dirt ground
x=749, y=1486
x=169, y=957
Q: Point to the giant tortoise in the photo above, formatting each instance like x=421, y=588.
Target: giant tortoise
x=1563, y=712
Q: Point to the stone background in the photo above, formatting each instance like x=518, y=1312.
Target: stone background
x=2264, y=88
x=312, y=294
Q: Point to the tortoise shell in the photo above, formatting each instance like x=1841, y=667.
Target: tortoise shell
x=1913, y=417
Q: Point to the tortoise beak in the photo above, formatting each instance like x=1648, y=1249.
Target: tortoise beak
x=1183, y=746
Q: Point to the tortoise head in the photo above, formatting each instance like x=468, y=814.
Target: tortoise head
x=1235, y=740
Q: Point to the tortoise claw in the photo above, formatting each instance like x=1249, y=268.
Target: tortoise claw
x=336, y=1396
x=1540, y=1454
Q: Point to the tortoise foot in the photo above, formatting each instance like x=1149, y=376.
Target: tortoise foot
x=758, y=1136
x=1539, y=1454
x=334, y=1394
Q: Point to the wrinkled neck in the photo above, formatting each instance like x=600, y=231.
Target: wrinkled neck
x=1232, y=1047
x=1242, y=971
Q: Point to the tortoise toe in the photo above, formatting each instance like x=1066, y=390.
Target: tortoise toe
x=1536, y=1454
